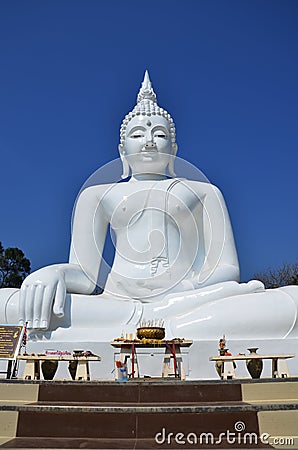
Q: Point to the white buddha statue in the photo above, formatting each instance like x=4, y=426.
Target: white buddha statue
x=175, y=256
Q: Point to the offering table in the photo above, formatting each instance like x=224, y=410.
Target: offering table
x=279, y=364
x=172, y=352
x=32, y=366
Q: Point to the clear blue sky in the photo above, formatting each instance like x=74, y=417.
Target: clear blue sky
x=227, y=71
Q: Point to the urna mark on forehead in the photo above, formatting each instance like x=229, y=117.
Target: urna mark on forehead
x=148, y=108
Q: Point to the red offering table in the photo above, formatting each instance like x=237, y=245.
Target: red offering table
x=172, y=353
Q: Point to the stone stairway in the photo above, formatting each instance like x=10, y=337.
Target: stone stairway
x=149, y=414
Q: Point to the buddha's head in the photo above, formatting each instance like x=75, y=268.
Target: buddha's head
x=147, y=136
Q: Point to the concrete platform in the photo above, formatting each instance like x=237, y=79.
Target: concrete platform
x=146, y=414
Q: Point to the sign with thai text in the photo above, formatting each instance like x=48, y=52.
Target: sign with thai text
x=10, y=340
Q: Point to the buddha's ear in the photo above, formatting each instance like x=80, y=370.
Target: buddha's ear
x=121, y=149
x=125, y=165
x=172, y=160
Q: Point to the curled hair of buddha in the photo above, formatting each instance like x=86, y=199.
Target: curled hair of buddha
x=147, y=106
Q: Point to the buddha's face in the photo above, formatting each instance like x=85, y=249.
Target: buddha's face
x=148, y=147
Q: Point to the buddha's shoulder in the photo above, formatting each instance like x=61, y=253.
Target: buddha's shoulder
x=93, y=193
x=200, y=187
x=97, y=190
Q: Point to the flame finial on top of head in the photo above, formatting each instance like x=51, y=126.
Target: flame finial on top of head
x=146, y=92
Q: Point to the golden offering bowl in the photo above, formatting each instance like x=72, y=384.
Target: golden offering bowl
x=151, y=333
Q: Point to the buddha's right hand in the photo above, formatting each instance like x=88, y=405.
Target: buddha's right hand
x=42, y=293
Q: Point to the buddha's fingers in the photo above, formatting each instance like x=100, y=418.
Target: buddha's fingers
x=46, y=307
x=59, y=302
x=39, y=294
x=22, y=303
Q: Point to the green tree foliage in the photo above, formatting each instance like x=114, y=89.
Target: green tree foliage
x=14, y=267
x=282, y=276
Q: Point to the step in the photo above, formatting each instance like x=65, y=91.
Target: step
x=154, y=427
x=148, y=392
x=146, y=414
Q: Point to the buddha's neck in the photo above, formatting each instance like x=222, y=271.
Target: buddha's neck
x=148, y=176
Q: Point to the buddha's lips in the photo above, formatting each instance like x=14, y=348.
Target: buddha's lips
x=149, y=150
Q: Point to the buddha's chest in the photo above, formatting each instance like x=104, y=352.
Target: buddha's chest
x=149, y=209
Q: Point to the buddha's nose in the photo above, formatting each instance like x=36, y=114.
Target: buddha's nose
x=149, y=144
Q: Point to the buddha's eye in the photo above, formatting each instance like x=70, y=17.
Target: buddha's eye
x=136, y=135
x=160, y=135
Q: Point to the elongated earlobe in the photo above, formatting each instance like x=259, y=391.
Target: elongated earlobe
x=125, y=166
x=171, y=168
x=172, y=160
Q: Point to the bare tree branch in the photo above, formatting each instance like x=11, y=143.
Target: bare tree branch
x=285, y=275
